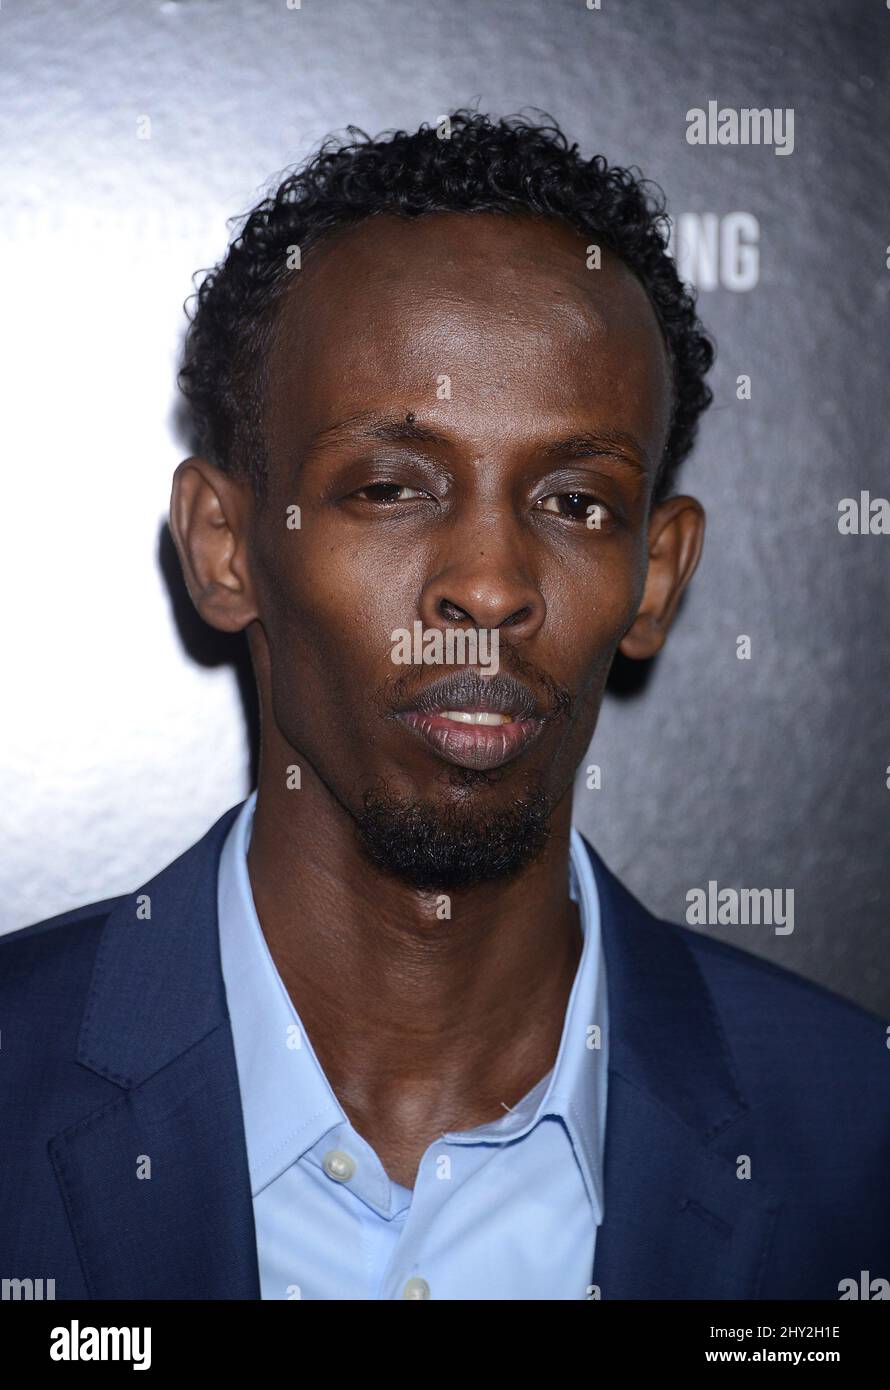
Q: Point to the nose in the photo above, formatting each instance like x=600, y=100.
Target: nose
x=487, y=584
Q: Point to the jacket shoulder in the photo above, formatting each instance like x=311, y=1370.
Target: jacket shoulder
x=730, y=969
x=735, y=976
x=779, y=1025
x=94, y=915
x=85, y=916
x=816, y=1060
x=51, y=961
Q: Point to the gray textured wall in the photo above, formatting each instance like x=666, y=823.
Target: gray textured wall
x=125, y=732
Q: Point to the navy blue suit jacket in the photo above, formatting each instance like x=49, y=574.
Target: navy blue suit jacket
x=116, y=1044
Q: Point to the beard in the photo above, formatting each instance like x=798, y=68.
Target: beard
x=432, y=847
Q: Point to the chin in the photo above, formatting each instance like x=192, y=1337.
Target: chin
x=434, y=846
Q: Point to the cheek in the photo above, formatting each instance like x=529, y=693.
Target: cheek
x=594, y=599
x=328, y=619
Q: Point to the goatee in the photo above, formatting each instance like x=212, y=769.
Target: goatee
x=432, y=847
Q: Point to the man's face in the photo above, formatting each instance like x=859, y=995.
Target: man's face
x=447, y=398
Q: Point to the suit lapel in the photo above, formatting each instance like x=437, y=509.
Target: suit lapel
x=678, y=1223
x=156, y=1183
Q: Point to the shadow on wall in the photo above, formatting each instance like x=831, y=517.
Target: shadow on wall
x=209, y=648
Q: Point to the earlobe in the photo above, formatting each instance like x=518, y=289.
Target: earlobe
x=643, y=639
x=676, y=535
x=207, y=522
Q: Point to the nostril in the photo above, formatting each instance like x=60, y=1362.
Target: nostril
x=520, y=616
x=452, y=612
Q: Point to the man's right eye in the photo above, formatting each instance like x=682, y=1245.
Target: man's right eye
x=384, y=492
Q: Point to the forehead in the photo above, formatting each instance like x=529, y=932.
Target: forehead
x=504, y=307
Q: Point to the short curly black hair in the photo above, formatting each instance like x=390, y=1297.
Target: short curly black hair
x=471, y=164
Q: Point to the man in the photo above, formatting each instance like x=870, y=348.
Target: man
x=392, y=1029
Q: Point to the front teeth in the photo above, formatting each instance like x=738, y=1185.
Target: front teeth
x=464, y=716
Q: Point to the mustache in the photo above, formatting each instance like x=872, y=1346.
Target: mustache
x=528, y=694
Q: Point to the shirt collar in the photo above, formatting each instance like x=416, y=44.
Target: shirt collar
x=289, y=1107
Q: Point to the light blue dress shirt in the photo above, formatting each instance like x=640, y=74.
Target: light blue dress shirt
x=508, y=1210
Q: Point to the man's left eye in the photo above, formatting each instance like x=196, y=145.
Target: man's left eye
x=578, y=505
x=383, y=492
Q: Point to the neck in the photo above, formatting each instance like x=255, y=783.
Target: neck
x=423, y=1019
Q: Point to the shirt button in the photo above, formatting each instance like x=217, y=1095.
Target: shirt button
x=416, y=1288
x=338, y=1165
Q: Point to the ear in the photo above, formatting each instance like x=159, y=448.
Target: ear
x=209, y=520
x=676, y=533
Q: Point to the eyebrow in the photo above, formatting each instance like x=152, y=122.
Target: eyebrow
x=617, y=444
